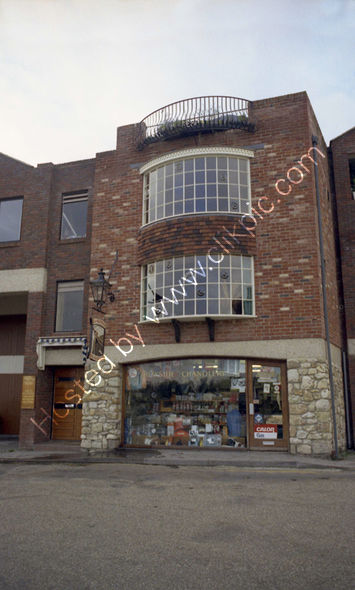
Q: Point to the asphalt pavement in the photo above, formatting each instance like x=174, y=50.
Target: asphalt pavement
x=71, y=452
x=119, y=526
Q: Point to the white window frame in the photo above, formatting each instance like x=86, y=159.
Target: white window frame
x=144, y=305
x=182, y=155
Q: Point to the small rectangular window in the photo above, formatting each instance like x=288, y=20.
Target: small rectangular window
x=69, y=306
x=74, y=215
x=10, y=219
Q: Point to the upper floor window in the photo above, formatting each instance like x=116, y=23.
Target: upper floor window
x=69, y=315
x=74, y=215
x=212, y=181
x=195, y=286
x=10, y=219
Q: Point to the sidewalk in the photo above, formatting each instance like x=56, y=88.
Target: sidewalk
x=70, y=452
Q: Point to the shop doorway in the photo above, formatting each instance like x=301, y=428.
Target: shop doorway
x=267, y=405
x=67, y=406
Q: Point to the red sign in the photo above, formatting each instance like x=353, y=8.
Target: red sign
x=265, y=431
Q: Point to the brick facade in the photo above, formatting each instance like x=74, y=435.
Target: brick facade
x=284, y=245
x=40, y=247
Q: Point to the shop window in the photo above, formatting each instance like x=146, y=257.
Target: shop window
x=208, y=183
x=74, y=215
x=193, y=286
x=194, y=402
x=69, y=306
x=10, y=219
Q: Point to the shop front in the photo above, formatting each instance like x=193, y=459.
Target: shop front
x=206, y=402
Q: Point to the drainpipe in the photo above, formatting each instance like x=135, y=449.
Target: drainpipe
x=325, y=304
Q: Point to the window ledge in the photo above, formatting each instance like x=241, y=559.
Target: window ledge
x=194, y=213
x=198, y=318
x=72, y=240
x=10, y=244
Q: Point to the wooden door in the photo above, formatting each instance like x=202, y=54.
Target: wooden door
x=10, y=403
x=267, y=407
x=67, y=408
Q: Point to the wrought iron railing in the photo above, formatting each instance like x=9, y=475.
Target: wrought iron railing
x=200, y=114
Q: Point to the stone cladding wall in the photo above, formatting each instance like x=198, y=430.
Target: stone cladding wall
x=101, y=420
x=311, y=428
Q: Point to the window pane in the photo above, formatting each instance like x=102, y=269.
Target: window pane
x=248, y=307
x=178, y=194
x=223, y=204
x=211, y=204
x=169, y=210
x=237, y=306
x=189, y=178
x=211, y=163
x=211, y=176
x=213, y=306
x=200, y=306
x=179, y=207
x=179, y=180
x=244, y=206
x=169, y=170
x=10, y=219
x=189, y=307
x=169, y=196
x=224, y=306
x=222, y=176
x=233, y=164
x=69, y=306
x=200, y=163
x=200, y=205
x=222, y=190
x=189, y=206
x=189, y=192
x=211, y=190
x=169, y=181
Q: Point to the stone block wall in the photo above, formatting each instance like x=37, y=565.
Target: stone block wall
x=310, y=409
x=101, y=419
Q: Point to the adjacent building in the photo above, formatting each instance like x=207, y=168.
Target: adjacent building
x=224, y=227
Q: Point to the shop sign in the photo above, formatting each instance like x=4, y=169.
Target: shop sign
x=28, y=392
x=262, y=431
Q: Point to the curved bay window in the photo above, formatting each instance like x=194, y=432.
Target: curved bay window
x=192, y=286
x=207, y=183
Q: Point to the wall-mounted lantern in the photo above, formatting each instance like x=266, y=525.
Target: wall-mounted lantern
x=101, y=289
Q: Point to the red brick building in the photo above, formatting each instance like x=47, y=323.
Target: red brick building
x=219, y=334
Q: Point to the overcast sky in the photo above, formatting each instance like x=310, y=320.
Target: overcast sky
x=71, y=71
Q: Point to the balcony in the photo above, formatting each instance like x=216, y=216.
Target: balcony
x=202, y=114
